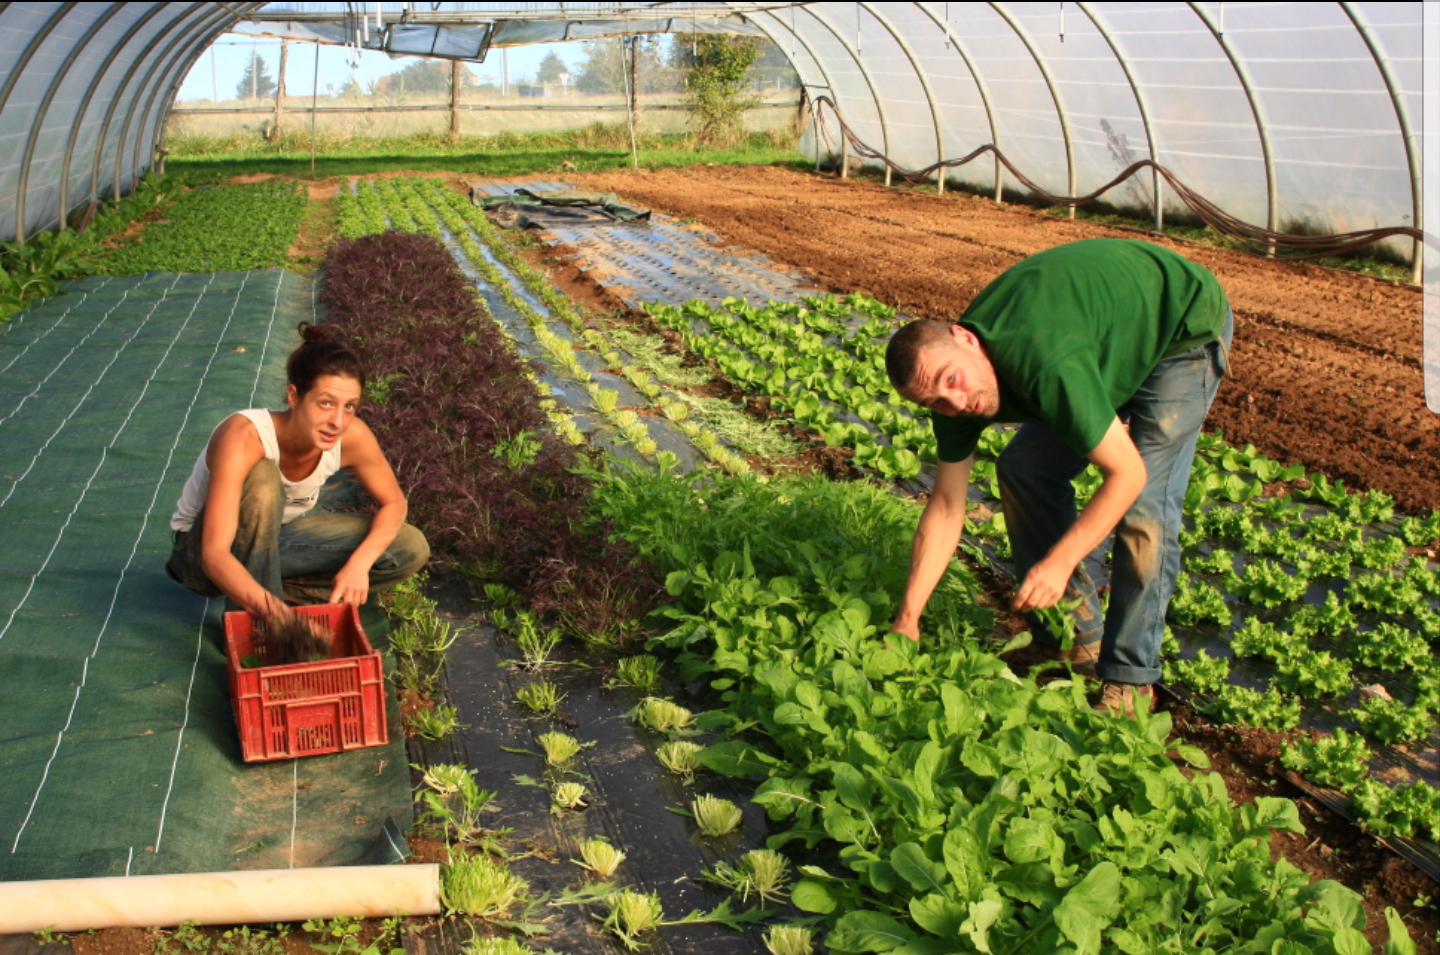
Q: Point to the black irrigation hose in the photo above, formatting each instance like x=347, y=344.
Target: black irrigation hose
x=1251, y=238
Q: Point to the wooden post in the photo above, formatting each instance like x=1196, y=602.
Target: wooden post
x=280, y=91
x=630, y=74
x=314, y=107
x=454, y=99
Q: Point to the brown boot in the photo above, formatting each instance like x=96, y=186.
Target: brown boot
x=1116, y=698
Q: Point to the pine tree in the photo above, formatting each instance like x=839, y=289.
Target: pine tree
x=256, y=82
x=550, y=69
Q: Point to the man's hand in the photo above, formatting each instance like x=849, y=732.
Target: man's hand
x=352, y=584
x=907, y=626
x=1123, y=477
x=1043, y=586
x=935, y=538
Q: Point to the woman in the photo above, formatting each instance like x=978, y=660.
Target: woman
x=247, y=524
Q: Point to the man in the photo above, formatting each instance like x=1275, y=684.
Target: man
x=1106, y=352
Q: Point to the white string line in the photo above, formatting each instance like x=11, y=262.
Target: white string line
x=84, y=675
x=155, y=494
x=85, y=397
x=73, y=306
x=104, y=453
x=180, y=737
x=128, y=861
x=36, y=390
x=145, y=520
x=265, y=348
x=199, y=386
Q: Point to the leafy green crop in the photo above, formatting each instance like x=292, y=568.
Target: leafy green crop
x=1196, y=601
x=1246, y=707
x=215, y=229
x=1340, y=761
x=967, y=810
x=1398, y=812
x=1390, y=647
x=1266, y=584
x=1308, y=673
x=1204, y=674
x=1392, y=721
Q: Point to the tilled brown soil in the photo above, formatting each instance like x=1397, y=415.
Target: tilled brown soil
x=1326, y=365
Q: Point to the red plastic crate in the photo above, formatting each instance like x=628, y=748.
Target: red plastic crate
x=305, y=709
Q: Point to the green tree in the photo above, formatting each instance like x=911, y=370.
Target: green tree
x=550, y=69
x=603, y=69
x=256, y=82
x=717, y=77
x=426, y=76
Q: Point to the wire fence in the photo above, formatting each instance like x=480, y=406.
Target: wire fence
x=475, y=115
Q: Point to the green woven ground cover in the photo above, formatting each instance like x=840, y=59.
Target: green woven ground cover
x=118, y=751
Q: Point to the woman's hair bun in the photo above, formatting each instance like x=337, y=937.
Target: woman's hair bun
x=318, y=334
x=323, y=351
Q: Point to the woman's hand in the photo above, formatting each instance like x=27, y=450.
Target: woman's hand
x=352, y=584
x=269, y=607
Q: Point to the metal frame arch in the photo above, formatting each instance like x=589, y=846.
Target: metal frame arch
x=819, y=64
x=981, y=85
x=869, y=82
x=1141, y=102
x=170, y=76
x=31, y=48
x=95, y=81
x=1272, y=203
x=35, y=128
x=755, y=15
x=163, y=58
x=120, y=91
x=1060, y=112
x=924, y=84
x=1407, y=131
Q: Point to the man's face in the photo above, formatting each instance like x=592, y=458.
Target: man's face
x=955, y=378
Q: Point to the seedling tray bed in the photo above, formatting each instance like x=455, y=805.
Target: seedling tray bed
x=306, y=709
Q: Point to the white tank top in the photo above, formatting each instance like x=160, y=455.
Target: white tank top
x=300, y=495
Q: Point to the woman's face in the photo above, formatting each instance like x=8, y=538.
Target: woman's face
x=325, y=411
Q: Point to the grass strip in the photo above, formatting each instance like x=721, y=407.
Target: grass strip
x=595, y=148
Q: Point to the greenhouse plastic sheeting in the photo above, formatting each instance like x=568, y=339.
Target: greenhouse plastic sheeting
x=1284, y=114
x=118, y=749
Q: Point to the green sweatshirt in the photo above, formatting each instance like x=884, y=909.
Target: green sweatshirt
x=1075, y=330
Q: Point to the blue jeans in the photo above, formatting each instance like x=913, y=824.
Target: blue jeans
x=1035, y=472
x=297, y=561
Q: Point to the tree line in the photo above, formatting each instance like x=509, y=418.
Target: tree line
x=671, y=63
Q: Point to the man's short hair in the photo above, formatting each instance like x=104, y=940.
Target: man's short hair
x=903, y=352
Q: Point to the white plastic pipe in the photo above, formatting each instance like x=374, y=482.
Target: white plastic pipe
x=219, y=898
